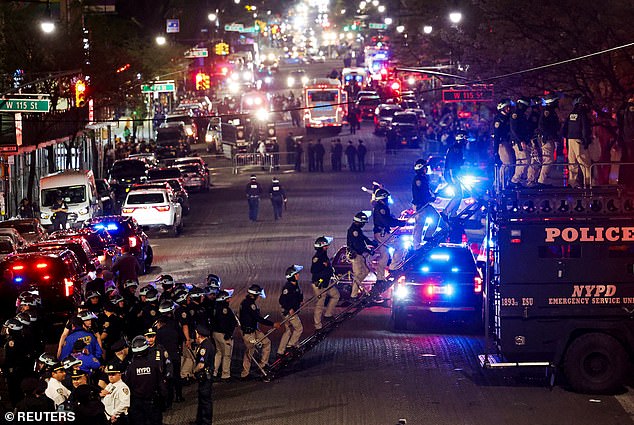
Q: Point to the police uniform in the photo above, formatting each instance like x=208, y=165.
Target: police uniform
x=578, y=131
x=502, y=143
x=224, y=321
x=149, y=313
x=548, y=129
x=278, y=197
x=383, y=222
x=117, y=401
x=170, y=336
x=249, y=318
x=57, y=392
x=321, y=269
x=112, y=327
x=358, y=245
x=253, y=191
x=519, y=140
x=291, y=300
x=421, y=200
x=454, y=159
x=204, y=364
x=147, y=390
x=15, y=365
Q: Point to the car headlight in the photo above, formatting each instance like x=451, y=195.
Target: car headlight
x=209, y=138
x=305, y=80
x=234, y=87
x=401, y=292
x=268, y=80
x=189, y=131
x=262, y=114
x=246, y=76
x=83, y=211
x=290, y=81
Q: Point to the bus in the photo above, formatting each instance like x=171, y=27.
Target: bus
x=325, y=103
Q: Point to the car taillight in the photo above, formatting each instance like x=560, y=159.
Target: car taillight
x=477, y=284
x=18, y=267
x=163, y=208
x=41, y=265
x=69, y=287
x=127, y=210
x=429, y=290
x=132, y=241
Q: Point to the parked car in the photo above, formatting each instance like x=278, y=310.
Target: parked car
x=107, y=196
x=128, y=235
x=383, y=117
x=100, y=242
x=366, y=93
x=179, y=191
x=404, y=131
x=444, y=281
x=367, y=105
x=171, y=142
x=17, y=238
x=154, y=208
x=195, y=160
x=7, y=247
x=194, y=177
x=57, y=278
x=87, y=258
x=124, y=173
x=29, y=228
x=165, y=173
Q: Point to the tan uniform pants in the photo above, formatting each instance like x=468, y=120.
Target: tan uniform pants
x=429, y=217
x=249, y=342
x=579, y=161
x=360, y=271
x=291, y=335
x=383, y=255
x=224, y=349
x=521, y=163
x=506, y=156
x=333, y=295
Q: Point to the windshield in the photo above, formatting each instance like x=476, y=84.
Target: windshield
x=389, y=112
x=188, y=168
x=405, y=119
x=323, y=95
x=169, y=173
x=180, y=118
x=443, y=260
x=20, y=227
x=409, y=104
x=145, y=198
x=128, y=169
x=70, y=194
x=6, y=247
x=369, y=102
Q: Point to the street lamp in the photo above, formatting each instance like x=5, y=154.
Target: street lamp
x=455, y=17
x=212, y=17
x=388, y=21
x=400, y=29
x=381, y=8
x=343, y=11
x=427, y=29
x=161, y=40
x=47, y=26
x=375, y=3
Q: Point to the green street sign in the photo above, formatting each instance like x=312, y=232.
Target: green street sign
x=158, y=87
x=197, y=53
x=375, y=26
x=251, y=29
x=24, y=105
x=234, y=27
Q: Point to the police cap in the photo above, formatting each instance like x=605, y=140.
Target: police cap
x=119, y=345
x=203, y=330
x=113, y=368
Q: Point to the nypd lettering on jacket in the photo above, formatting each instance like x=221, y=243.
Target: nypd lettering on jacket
x=589, y=234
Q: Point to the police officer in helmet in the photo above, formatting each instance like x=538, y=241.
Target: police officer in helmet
x=291, y=300
x=422, y=199
x=383, y=223
x=147, y=386
x=360, y=248
x=502, y=139
x=322, y=271
x=578, y=132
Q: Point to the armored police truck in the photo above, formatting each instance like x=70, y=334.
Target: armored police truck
x=560, y=284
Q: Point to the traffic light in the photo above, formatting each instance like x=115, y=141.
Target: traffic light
x=202, y=81
x=80, y=93
x=221, y=49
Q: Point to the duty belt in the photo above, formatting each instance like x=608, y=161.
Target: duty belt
x=248, y=330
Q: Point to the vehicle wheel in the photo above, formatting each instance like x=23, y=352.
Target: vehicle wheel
x=149, y=257
x=595, y=363
x=399, y=320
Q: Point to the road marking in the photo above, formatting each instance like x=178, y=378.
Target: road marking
x=627, y=401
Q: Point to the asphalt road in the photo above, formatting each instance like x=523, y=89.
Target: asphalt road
x=362, y=374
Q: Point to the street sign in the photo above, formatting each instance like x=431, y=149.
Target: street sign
x=24, y=105
x=252, y=29
x=234, y=27
x=197, y=52
x=172, y=26
x=468, y=95
x=159, y=86
x=375, y=26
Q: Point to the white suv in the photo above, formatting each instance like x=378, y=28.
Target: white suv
x=154, y=208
